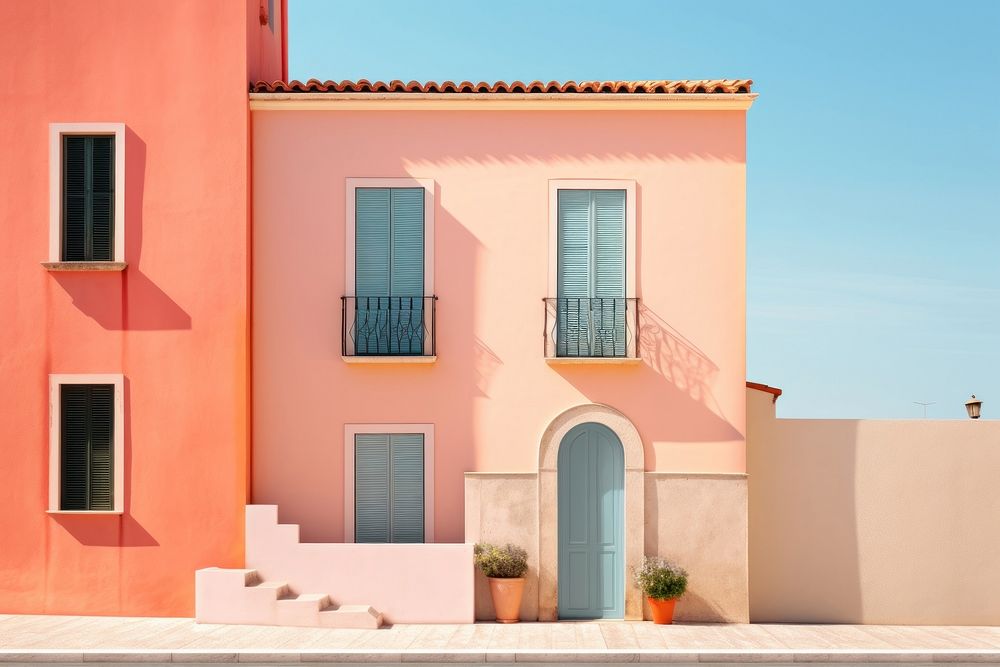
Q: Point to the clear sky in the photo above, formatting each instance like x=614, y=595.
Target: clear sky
x=873, y=163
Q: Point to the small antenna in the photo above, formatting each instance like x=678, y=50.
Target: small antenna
x=924, y=404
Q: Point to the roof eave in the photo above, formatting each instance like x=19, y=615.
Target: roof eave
x=347, y=101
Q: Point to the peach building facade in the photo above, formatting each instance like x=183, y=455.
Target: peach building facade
x=501, y=369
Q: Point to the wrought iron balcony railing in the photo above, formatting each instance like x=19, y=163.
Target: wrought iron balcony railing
x=592, y=327
x=388, y=326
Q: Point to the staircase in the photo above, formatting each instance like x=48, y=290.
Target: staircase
x=240, y=596
x=289, y=582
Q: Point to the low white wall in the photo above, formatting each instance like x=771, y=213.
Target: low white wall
x=408, y=583
x=870, y=521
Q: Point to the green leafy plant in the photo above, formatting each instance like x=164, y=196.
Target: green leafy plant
x=506, y=562
x=660, y=579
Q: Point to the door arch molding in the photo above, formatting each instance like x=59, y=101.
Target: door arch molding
x=548, y=501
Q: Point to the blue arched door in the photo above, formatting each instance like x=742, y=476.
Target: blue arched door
x=591, y=523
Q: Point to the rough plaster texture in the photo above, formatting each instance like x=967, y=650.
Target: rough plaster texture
x=700, y=522
x=502, y=508
x=864, y=521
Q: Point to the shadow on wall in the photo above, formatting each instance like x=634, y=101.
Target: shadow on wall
x=127, y=300
x=676, y=373
x=486, y=363
x=691, y=136
x=803, y=549
x=469, y=367
x=677, y=359
x=112, y=530
x=108, y=530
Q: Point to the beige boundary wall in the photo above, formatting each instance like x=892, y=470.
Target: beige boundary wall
x=699, y=520
x=872, y=521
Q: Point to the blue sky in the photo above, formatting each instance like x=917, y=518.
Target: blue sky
x=873, y=163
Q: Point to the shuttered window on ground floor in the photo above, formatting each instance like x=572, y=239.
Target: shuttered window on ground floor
x=86, y=447
x=389, y=487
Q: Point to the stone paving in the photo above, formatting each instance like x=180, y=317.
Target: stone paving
x=111, y=639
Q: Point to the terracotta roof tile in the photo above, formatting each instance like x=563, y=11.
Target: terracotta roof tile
x=632, y=87
x=774, y=391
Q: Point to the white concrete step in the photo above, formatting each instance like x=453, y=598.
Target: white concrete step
x=351, y=616
x=240, y=596
x=301, y=610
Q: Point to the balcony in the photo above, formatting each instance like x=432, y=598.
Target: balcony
x=388, y=329
x=591, y=330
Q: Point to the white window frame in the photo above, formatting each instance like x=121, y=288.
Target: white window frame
x=629, y=186
x=351, y=430
x=56, y=133
x=56, y=381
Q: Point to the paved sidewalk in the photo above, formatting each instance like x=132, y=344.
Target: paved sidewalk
x=107, y=639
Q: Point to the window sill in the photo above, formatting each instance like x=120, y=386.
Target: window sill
x=84, y=266
x=86, y=512
x=599, y=361
x=389, y=359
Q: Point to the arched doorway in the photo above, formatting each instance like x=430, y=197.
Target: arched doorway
x=548, y=503
x=591, y=479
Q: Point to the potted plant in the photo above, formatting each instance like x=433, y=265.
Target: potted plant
x=662, y=582
x=504, y=567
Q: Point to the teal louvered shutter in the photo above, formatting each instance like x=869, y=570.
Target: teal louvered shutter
x=406, y=273
x=590, y=304
x=371, y=270
x=389, y=270
x=608, y=311
x=88, y=198
x=407, y=454
x=371, y=487
x=87, y=447
x=389, y=487
x=573, y=273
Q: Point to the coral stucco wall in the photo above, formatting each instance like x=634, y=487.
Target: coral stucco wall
x=174, y=322
x=490, y=394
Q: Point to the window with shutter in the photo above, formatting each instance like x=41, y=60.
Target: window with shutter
x=590, y=278
x=389, y=487
x=87, y=428
x=88, y=198
x=389, y=271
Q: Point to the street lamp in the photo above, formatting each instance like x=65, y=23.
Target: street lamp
x=973, y=406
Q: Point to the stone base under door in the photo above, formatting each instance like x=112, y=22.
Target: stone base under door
x=698, y=520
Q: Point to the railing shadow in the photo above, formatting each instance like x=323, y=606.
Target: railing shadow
x=677, y=359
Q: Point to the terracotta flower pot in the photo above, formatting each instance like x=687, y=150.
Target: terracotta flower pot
x=506, y=595
x=663, y=610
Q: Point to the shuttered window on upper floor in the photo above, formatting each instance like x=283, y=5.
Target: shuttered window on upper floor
x=87, y=427
x=389, y=487
x=389, y=242
x=88, y=198
x=590, y=304
x=591, y=238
